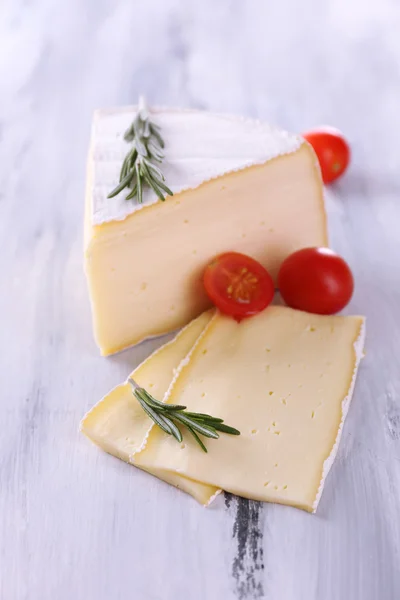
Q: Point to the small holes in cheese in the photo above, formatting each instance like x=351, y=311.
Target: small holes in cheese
x=284, y=401
x=205, y=351
x=186, y=221
x=254, y=431
x=270, y=393
x=203, y=394
x=143, y=286
x=285, y=487
x=266, y=483
x=313, y=414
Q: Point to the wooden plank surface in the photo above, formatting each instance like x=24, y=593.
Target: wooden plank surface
x=74, y=522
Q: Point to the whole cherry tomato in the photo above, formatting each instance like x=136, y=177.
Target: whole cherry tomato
x=332, y=150
x=316, y=280
x=238, y=285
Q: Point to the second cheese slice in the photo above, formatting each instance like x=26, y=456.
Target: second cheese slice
x=283, y=378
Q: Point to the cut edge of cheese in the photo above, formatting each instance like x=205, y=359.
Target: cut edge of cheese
x=89, y=424
x=359, y=353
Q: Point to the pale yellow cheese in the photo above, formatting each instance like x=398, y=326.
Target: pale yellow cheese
x=144, y=271
x=283, y=378
x=119, y=425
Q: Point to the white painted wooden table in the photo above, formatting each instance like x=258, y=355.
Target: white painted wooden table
x=78, y=524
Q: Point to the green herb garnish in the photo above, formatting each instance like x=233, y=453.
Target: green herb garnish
x=168, y=416
x=138, y=169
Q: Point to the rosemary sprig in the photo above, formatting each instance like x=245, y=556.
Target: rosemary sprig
x=137, y=169
x=166, y=416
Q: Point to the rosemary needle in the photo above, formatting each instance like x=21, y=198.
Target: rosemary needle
x=137, y=169
x=166, y=416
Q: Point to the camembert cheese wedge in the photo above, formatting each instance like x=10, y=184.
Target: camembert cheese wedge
x=118, y=424
x=238, y=185
x=283, y=378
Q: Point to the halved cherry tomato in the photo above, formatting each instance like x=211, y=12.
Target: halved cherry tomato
x=316, y=280
x=332, y=150
x=238, y=285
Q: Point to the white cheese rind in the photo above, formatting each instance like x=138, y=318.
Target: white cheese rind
x=358, y=351
x=199, y=146
x=212, y=498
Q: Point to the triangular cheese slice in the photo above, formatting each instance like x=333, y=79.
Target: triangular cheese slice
x=238, y=185
x=118, y=424
x=283, y=378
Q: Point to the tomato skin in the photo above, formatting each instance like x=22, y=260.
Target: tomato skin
x=332, y=150
x=238, y=285
x=316, y=280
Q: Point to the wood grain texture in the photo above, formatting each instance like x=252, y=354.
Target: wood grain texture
x=74, y=522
